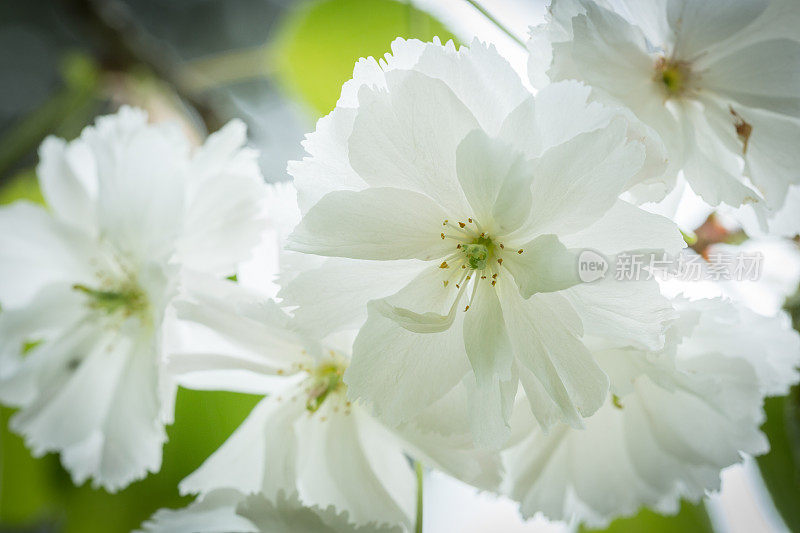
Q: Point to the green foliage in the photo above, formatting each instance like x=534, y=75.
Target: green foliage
x=65, y=114
x=318, y=45
x=780, y=468
x=23, y=186
x=692, y=518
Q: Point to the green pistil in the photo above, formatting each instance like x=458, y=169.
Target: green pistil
x=129, y=299
x=478, y=253
x=673, y=79
x=674, y=75
x=326, y=379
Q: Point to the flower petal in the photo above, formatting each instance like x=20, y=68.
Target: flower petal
x=54, y=310
x=226, y=191
x=479, y=76
x=545, y=333
x=772, y=158
x=493, y=388
x=141, y=172
x=407, y=138
x=328, y=167
x=628, y=312
x=287, y=514
x=100, y=407
x=334, y=295
x=496, y=182
x=35, y=250
x=666, y=439
x=545, y=265
x=627, y=228
x=698, y=24
x=252, y=460
x=246, y=320
x=213, y=513
x=67, y=176
x=578, y=181
x=765, y=75
x=608, y=52
x=399, y=372
x=355, y=464
x=377, y=223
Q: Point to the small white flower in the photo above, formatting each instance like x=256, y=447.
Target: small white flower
x=229, y=511
x=305, y=436
x=718, y=80
x=455, y=203
x=676, y=418
x=86, y=285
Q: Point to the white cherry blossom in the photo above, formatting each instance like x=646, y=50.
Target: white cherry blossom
x=452, y=204
x=676, y=418
x=716, y=79
x=305, y=436
x=87, y=283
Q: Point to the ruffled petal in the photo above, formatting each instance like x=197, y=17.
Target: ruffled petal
x=407, y=137
x=225, y=201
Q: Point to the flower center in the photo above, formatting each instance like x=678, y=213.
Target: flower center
x=326, y=379
x=477, y=253
x=674, y=75
x=127, y=299
x=477, y=256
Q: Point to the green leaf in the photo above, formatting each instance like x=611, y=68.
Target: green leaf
x=318, y=45
x=691, y=518
x=780, y=468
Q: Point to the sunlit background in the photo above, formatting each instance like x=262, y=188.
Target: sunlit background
x=278, y=65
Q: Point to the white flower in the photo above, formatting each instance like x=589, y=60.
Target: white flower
x=676, y=418
x=438, y=185
x=305, y=436
x=86, y=285
x=717, y=79
x=229, y=511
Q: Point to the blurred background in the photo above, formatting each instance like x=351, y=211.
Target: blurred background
x=279, y=66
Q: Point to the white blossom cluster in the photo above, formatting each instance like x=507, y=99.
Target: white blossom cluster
x=417, y=296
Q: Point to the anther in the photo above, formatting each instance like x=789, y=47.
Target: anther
x=466, y=309
x=519, y=251
x=442, y=234
x=500, y=261
x=443, y=265
x=462, y=224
